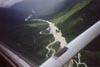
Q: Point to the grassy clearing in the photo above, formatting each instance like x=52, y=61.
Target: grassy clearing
x=65, y=15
